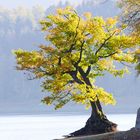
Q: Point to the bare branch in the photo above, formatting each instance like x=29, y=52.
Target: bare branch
x=126, y=65
x=29, y=77
x=62, y=97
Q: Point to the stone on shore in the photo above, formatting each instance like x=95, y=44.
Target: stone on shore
x=137, y=126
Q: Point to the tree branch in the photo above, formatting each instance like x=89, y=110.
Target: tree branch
x=73, y=74
x=104, y=43
x=81, y=50
x=45, y=72
x=59, y=61
x=126, y=65
x=62, y=97
x=76, y=32
x=108, y=55
x=88, y=70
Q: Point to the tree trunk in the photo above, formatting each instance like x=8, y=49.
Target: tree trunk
x=96, y=124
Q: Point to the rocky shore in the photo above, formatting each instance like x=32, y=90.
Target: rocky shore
x=133, y=134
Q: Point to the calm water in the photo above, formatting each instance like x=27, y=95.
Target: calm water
x=49, y=127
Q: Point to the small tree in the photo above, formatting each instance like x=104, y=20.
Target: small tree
x=80, y=50
x=131, y=13
x=138, y=62
x=131, y=17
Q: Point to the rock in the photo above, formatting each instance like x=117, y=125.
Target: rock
x=120, y=135
x=137, y=126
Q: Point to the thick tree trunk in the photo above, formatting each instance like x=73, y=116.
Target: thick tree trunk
x=97, y=123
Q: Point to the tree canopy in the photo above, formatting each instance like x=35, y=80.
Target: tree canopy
x=80, y=49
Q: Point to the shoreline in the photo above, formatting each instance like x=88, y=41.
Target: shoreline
x=132, y=134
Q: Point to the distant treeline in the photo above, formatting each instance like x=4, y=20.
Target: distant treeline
x=21, y=20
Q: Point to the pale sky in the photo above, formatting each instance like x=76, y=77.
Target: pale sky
x=30, y=3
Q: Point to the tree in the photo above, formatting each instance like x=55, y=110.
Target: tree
x=80, y=49
x=138, y=61
x=131, y=14
x=131, y=17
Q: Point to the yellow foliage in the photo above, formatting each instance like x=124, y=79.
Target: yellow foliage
x=87, y=15
x=80, y=49
x=111, y=21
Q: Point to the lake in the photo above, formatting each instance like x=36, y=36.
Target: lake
x=47, y=127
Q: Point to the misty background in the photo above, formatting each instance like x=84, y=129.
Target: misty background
x=19, y=28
